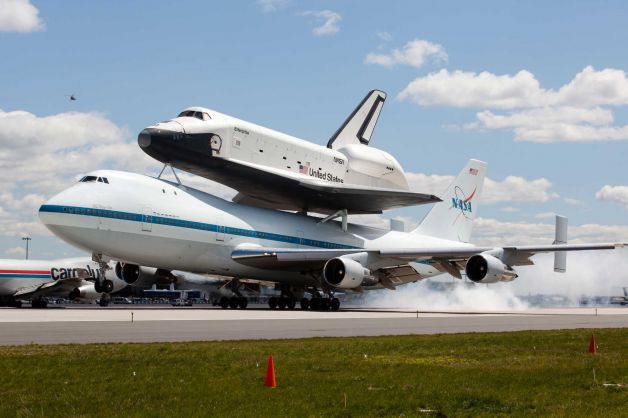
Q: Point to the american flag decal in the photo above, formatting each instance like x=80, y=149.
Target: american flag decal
x=303, y=169
x=473, y=171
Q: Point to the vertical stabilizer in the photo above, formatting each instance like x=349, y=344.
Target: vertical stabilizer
x=359, y=126
x=452, y=218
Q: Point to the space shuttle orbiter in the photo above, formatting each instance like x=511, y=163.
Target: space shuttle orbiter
x=275, y=170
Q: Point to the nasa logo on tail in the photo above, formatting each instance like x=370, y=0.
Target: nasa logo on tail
x=462, y=202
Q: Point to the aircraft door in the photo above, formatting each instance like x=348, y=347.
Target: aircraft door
x=220, y=234
x=147, y=219
x=301, y=236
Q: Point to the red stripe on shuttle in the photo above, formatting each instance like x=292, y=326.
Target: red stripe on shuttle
x=26, y=271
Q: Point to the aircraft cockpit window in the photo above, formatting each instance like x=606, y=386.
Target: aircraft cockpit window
x=194, y=114
x=88, y=179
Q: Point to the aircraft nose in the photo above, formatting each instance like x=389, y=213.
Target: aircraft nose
x=144, y=139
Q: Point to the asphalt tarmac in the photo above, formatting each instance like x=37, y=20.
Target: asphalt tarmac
x=160, y=324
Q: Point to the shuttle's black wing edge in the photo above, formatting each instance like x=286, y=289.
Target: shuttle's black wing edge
x=329, y=199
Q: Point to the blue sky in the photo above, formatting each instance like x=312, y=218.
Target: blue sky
x=134, y=63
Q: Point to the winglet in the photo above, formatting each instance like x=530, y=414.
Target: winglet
x=359, y=126
x=560, y=257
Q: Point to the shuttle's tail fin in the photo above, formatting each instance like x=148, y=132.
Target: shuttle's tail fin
x=359, y=126
x=452, y=218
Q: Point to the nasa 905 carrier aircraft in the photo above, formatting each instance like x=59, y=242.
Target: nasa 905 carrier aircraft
x=147, y=221
x=273, y=170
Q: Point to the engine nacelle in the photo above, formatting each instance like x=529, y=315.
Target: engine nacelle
x=485, y=268
x=345, y=273
x=87, y=291
x=142, y=276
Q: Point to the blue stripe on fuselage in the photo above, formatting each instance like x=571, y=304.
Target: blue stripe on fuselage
x=159, y=220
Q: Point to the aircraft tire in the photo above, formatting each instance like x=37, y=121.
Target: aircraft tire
x=224, y=302
x=234, y=302
x=315, y=303
x=272, y=302
x=104, y=302
x=305, y=303
x=97, y=286
x=335, y=304
x=107, y=286
x=283, y=302
x=243, y=302
x=325, y=305
x=16, y=304
x=291, y=303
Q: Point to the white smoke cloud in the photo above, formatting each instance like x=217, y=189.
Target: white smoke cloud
x=458, y=296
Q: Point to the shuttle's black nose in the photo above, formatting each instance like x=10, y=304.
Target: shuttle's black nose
x=144, y=139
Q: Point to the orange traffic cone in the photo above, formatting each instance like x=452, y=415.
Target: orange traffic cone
x=270, y=373
x=592, y=345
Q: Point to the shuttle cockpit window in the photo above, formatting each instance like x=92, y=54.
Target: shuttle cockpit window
x=194, y=114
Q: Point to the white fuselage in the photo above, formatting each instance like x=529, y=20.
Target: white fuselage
x=152, y=222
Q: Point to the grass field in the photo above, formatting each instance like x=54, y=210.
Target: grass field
x=536, y=373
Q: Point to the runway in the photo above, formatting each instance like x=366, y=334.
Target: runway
x=151, y=324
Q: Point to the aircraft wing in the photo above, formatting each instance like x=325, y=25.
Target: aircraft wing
x=287, y=191
x=54, y=287
x=444, y=258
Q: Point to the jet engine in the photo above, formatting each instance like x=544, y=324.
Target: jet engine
x=142, y=276
x=87, y=291
x=345, y=273
x=485, y=268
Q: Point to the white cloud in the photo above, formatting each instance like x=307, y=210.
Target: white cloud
x=510, y=209
x=468, y=89
x=615, y=194
x=270, y=6
x=511, y=189
x=328, y=22
x=414, y=54
x=570, y=113
x=19, y=16
x=589, y=88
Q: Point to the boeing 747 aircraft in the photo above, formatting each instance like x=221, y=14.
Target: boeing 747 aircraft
x=147, y=221
x=273, y=170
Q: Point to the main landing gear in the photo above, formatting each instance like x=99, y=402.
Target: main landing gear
x=315, y=303
x=103, y=285
x=234, y=302
x=39, y=303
